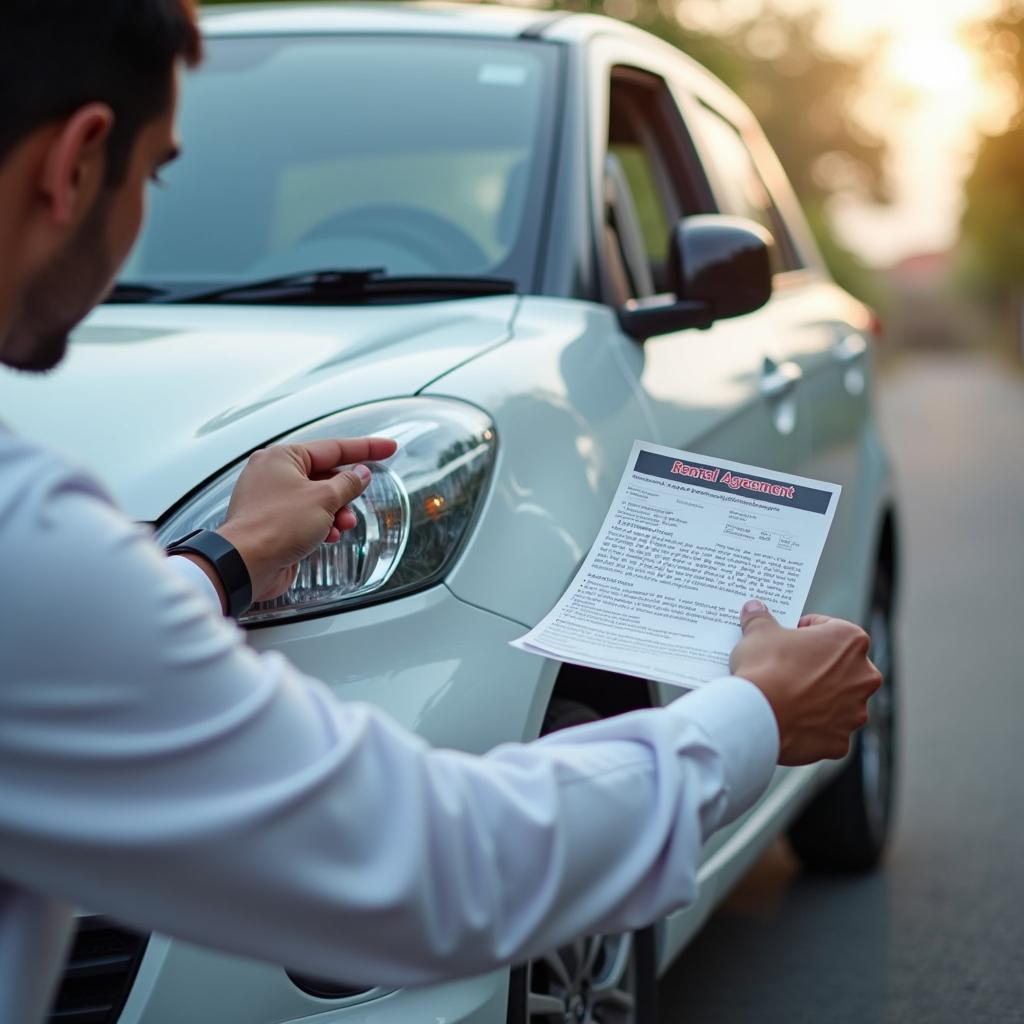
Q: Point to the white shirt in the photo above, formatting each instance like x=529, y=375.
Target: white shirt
x=155, y=768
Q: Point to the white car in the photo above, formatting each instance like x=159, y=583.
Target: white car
x=515, y=241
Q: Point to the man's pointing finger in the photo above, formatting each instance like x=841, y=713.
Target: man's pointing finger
x=330, y=453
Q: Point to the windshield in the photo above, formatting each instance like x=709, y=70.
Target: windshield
x=419, y=156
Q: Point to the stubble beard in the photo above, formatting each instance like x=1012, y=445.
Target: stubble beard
x=60, y=296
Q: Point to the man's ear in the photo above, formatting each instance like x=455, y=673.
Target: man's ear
x=76, y=163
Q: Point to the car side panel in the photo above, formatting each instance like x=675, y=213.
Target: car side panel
x=564, y=397
x=833, y=351
x=726, y=864
x=437, y=665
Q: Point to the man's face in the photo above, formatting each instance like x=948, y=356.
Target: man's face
x=82, y=269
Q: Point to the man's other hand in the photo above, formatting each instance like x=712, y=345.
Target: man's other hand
x=290, y=498
x=817, y=679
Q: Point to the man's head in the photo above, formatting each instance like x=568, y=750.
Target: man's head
x=87, y=94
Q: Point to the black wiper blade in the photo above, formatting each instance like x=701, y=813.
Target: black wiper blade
x=347, y=287
x=280, y=289
x=135, y=291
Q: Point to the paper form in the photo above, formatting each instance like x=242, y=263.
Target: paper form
x=687, y=540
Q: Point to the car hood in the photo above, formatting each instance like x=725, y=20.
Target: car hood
x=156, y=399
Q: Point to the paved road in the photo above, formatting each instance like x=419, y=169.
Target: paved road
x=938, y=936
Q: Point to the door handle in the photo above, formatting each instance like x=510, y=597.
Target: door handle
x=778, y=380
x=849, y=348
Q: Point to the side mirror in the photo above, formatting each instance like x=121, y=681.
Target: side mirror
x=719, y=266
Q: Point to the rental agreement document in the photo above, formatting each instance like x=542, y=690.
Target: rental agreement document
x=688, y=539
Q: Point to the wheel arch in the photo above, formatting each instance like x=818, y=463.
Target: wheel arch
x=608, y=693
x=887, y=551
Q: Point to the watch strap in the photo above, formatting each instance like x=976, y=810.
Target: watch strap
x=227, y=563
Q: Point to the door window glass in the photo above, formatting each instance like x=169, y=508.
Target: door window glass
x=653, y=218
x=645, y=140
x=742, y=189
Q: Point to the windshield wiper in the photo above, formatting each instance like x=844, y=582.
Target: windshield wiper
x=135, y=291
x=351, y=287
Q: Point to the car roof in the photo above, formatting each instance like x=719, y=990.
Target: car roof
x=413, y=18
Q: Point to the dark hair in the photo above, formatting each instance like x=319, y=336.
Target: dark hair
x=58, y=55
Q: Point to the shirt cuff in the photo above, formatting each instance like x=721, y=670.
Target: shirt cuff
x=196, y=578
x=737, y=718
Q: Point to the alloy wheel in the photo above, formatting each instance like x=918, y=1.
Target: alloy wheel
x=591, y=981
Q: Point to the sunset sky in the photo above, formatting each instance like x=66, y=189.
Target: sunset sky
x=931, y=99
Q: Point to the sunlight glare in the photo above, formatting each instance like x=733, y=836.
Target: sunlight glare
x=934, y=67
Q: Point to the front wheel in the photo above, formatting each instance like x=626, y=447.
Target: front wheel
x=847, y=825
x=600, y=979
x=597, y=979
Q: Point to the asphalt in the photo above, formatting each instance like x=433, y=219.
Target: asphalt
x=937, y=935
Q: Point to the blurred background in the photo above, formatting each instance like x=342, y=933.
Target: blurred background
x=901, y=125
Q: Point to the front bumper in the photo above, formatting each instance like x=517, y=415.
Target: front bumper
x=179, y=982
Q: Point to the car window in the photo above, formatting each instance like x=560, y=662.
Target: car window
x=416, y=155
x=742, y=190
x=638, y=166
x=646, y=184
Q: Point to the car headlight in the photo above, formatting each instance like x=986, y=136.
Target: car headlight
x=411, y=520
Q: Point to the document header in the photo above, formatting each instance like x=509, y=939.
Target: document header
x=715, y=478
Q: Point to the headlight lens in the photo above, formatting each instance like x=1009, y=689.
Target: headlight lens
x=411, y=520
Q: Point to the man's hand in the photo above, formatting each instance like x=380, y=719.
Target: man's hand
x=817, y=679
x=289, y=499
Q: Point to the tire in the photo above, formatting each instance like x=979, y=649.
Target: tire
x=846, y=826
x=598, y=979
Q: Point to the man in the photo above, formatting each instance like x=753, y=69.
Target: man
x=155, y=768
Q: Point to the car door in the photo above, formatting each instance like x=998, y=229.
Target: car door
x=838, y=411
x=812, y=331
x=713, y=391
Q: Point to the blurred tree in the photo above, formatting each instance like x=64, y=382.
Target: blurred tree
x=804, y=96
x=992, y=227
x=805, y=99
x=1000, y=38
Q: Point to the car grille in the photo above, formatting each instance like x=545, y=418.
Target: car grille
x=98, y=976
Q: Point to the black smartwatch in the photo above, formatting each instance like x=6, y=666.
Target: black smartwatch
x=226, y=562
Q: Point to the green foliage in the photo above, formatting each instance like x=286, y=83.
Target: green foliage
x=804, y=97
x=1001, y=39
x=849, y=271
x=992, y=228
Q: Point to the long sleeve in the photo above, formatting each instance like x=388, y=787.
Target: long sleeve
x=155, y=768
x=194, y=577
